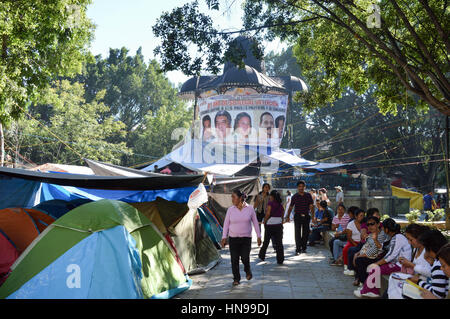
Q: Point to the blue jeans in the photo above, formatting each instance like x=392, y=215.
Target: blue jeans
x=338, y=246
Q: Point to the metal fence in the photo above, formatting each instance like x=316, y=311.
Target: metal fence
x=329, y=181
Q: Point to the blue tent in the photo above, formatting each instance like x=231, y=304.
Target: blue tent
x=104, y=264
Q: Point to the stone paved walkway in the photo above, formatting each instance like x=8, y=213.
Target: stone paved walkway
x=306, y=276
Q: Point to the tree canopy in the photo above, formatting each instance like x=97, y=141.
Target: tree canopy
x=352, y=130
x=64, y=128
x=39, y=41
x=338, y=44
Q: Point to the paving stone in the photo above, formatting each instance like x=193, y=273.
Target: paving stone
x=308, y=276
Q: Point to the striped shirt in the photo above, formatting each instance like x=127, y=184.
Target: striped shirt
x=343, y=222
x=302, y=203
x=439, y=281
x=370, y=248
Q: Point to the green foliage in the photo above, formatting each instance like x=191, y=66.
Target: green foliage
x=436, y=215
x=385, y=216
x=132, y=87
x=333, y=44
x=73, y=128
x=38, y=41
x=161, y=132
x=346, y=130
x=413, y=216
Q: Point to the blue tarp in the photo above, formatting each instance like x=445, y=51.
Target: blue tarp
x=104, y=265
x=211, y=226
x=17, y=192
x=179, y=195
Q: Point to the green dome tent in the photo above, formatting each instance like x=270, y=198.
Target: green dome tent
x=115, y=246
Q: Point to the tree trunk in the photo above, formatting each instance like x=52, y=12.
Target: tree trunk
x=2, y=146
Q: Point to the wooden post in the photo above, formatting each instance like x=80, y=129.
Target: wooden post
x=447, y=168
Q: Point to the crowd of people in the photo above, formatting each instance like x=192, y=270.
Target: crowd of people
x=363, y=245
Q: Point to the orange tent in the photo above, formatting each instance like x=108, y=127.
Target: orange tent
x=41, y=219
x=20, y=226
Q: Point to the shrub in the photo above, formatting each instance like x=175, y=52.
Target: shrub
x=413, y=215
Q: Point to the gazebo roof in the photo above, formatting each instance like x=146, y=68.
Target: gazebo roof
x=252, y=75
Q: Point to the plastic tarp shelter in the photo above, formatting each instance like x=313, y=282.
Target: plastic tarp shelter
x=229, y=165
x=21, y=188
x=415, y=199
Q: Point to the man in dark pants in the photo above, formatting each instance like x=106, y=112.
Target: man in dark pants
x=304, y=204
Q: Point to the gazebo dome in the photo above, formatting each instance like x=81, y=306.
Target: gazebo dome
x=242, y=77
x=252, y=75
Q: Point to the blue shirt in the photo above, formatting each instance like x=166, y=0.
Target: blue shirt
x=427, y=200
x=319, y=213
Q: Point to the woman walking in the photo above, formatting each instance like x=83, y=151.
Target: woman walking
x=273, y=230
x=238, y=229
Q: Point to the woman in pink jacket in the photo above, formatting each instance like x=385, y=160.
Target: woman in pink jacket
x=238, y=229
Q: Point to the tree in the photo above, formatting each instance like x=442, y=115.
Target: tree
x=159, y=133
x=352, y=130
x=133, y=89
x=337, y=46
x=39, y=40
x=64, y=128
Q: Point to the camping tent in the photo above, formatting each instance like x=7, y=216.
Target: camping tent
x=211, y=224
x=197, y=251
x=187, y=230
x=120, y=252
x=8, y=255
x=22, y=226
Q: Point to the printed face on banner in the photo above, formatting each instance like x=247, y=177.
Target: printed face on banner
x=254, y=119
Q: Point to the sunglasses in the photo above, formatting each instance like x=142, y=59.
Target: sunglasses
x=371, y=224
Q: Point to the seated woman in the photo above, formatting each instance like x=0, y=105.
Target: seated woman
x=371, y=251
x=339, y=225
x=323, y=225
x=433, y=241
x=364, y=234
x=444, y=258
x=273, y=227
x=398, y=247
x=418, y=264
x=353, y=235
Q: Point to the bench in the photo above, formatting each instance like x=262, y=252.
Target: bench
x=327, y=235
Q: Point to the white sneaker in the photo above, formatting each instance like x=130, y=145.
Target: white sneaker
x=345, y=267
x=370, y=295
x=349, y=272
x=357, y=293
